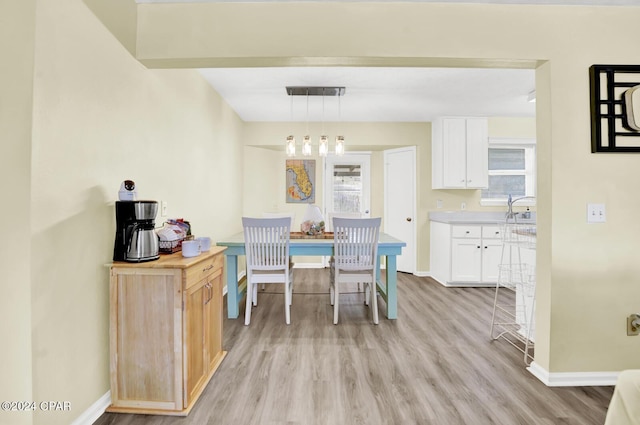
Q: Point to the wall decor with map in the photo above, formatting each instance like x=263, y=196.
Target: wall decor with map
x=301, y=181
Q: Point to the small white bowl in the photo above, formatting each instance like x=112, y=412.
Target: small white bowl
x=190, y=248
x=205, y=243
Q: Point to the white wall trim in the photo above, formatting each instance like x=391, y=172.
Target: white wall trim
x=308, y=265
x=573, y=379
x=422, y=274
x=94, y=411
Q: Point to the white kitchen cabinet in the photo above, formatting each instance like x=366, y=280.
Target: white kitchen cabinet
x=460, y=149
x=466, y=260
x=465, y=255
x=491, y=252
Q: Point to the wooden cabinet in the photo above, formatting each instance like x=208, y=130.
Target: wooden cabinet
x=165, y=332
x=460, y=149
x=465, y=255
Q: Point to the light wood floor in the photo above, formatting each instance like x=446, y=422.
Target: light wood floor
x=435, y=364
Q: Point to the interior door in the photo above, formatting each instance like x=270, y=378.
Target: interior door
x=347, y=185
x=400, y=202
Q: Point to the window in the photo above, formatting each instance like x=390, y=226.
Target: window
x=511, y=171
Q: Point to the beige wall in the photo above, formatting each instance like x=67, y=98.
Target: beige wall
x=359, y=137
x=265, y=159
x=17, y=27
x=97, y=112
x=99, y=117
x=587, y=275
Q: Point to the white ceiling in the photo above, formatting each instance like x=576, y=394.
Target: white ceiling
x=381, y=94
x=375, y=94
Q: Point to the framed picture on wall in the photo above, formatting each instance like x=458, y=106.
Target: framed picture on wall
x=301, y=181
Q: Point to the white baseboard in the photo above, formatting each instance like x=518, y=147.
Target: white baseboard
x=573, y=379
x=308, y=265
x=94, y=411
x=422, y=274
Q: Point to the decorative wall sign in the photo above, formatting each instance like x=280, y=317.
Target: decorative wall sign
x=611, y=128
x=301, y=181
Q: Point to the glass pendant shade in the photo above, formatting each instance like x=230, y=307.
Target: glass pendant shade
x=323, y=149
x=306, y=146
x=291, y=146
x=323, y=146
x=339, y=145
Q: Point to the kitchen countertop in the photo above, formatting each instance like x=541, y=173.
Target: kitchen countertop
x=175, y=260
x=475, y=217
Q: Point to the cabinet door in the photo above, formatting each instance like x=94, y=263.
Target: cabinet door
x=213, y=321
x=466, y=260
x=145, y=329
x=454, y=152
x=491, y=256
x=194, y=347
x=477, y=156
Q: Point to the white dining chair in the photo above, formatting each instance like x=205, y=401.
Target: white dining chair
x=333, y=215
x=267, y=253
x=341, y=214
x=291, y=215
x=355, y=259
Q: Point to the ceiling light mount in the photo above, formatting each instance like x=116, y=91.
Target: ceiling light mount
x=315, y=91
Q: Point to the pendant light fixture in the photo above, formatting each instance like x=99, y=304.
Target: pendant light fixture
x=323, y=147
x=306, y=142
x=290, y=144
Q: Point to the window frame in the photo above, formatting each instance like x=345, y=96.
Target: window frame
x=530, y=171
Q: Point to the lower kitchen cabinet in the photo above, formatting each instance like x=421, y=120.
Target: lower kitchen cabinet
x=165, y=332
x=465, y=254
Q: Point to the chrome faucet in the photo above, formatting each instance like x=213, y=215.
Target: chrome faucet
x=511, y=201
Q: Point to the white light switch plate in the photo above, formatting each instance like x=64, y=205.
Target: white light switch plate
x=596, y=213
x=163, y=208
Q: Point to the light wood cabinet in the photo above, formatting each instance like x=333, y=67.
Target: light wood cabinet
x=460, y=152
x=165, y=332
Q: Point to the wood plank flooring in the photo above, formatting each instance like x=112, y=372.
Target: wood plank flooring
x=435, y=364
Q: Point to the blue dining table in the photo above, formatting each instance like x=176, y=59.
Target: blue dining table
x=388, y=247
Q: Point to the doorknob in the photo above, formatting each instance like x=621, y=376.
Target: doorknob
x=408, y=218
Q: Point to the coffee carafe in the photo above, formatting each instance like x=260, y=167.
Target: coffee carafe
x=136, y=239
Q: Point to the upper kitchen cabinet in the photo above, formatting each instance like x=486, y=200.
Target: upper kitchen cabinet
x=460, y=153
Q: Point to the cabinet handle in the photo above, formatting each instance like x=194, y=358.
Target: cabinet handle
x=467, y=232
x=209, y=293
x=485, y=247
x=206, y=269
x=478, y=246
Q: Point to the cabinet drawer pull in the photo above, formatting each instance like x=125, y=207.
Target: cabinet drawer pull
x=207, y=268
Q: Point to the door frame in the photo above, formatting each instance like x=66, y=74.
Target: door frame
x=414, y=237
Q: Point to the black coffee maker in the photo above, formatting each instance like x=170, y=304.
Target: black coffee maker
x=136, y=239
